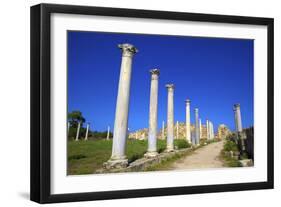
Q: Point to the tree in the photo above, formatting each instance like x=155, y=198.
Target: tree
x=75, y=117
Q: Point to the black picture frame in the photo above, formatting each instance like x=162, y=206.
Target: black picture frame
x=41, y=96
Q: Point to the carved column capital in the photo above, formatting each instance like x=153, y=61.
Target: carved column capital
x=128, y=50
x=170, y=86
x=187, y=102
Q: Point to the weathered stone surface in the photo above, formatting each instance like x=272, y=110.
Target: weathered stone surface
x=115, y=164
x=143, y=163
x=153, y=113
x=170, y=118
x=122, y=107
x=246, y=163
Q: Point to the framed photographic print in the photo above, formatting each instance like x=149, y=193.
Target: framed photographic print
x=133, y=103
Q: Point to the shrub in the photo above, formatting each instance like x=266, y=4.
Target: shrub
x=230, y=146
x=181, y=143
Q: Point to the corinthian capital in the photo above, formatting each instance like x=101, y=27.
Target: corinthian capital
x=128, y=49
x=170, y=86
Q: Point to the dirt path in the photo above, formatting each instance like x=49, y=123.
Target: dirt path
x=205, y=157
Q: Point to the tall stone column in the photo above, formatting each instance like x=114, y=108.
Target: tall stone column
x=211, y=130
x=68, y=127
x=238, y=120
x=87, y=131
x=118, y=158
x=187, y=121
x=153, y=110
x=78, y=130
x=238, y=123
x=208, y=129
x=108, y=133
x=170, y=118
x=163, y=130
x=197, y=130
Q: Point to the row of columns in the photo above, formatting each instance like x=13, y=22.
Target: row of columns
x=87, y=131
x=118, y=157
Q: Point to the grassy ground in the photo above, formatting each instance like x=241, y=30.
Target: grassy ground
x=228, y=160
x=85, y=157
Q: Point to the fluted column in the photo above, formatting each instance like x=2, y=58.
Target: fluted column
x=78, y=130
x=153, y=110
x=197, y=130
x=238, y=120
x=118, y=158
x=187, y=120
x=238, y=123
x=211, y=130
x=170, y=118
x=87, y=131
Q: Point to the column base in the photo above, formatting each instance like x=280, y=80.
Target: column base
x=150, y=154
x=169, y=149
x=115, y=164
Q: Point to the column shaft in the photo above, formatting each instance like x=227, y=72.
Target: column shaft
x=153, y=110
x=87, y=131
x=170, y=118
x=238, y=120
x=78, y=130
x=187, y=120
x=108, y=132
x=118, y=157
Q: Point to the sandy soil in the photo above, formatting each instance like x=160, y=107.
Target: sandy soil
x=205, y=157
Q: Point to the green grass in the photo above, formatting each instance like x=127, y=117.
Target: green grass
x=228, y=160
x=85, y=157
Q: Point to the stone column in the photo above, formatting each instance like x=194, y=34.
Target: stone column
x=211, y=130
x=197, y=130
x=163, y=130
x=153, y=110
x=108, y=133
x=187, y=120
x=170, y=118
x=68, y=126
x=238, y=123
x=78, y=130
x=238, y=120
x=87, y=131
x=118, y=158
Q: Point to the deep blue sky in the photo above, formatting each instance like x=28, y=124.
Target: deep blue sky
x=214, y=73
